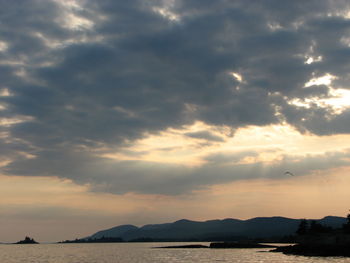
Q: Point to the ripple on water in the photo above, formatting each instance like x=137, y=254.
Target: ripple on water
x=144, y=253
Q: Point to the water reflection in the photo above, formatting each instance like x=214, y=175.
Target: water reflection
x=143, y=253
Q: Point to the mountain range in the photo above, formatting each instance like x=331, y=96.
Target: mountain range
x=211, y=230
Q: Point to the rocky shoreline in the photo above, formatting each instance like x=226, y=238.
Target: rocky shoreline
x=318, y=250
x=315, y=250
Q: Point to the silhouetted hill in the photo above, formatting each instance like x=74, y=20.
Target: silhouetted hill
x=117, y=231
x=95, y=240
x=226, y=229
x=334, y=221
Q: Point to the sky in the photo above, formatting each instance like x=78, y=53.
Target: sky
x=139, y=112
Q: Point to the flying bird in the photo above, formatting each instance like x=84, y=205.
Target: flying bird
x=289, y=173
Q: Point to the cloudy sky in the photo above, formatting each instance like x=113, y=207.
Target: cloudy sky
x=115, y=112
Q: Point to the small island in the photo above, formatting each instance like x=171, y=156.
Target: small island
x=27, y=240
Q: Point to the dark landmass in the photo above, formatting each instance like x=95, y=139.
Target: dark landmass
x=315, y=250
x=27, y=240
x=257, y=230
x=142, y=240
x=329, y=236
x=95, y=240
x=239, y=245
x=185, y=246
x=315, y=239
x=118, y=231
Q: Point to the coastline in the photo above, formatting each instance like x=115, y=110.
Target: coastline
x=315, y=250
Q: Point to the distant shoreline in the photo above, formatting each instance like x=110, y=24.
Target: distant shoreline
x=315, y=251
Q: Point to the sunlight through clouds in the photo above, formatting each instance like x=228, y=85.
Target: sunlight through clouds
x=137, y=111
x=70, y=19
x=166, y=11
x=3, y=46
x=338, y=99
x=323, y=80
x=179, y=148
x=268, y=142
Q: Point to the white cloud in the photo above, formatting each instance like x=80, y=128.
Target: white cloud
x=3, y=46
x=310, y=59
x=322, y=80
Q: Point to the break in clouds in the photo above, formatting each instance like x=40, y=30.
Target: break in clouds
x=83, y=78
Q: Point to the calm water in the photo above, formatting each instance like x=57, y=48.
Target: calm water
x=141, y=253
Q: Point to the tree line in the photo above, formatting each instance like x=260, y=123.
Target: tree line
x=313, y=227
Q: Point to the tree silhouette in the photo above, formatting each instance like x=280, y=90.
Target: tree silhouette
x=346, y=226
x=313, y=228
x=303, y=227
x=316, y=228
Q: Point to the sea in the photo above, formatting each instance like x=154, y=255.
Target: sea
x=144, y=253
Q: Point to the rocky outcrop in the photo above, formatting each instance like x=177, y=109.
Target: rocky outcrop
x=27, y=240
x=327, y=244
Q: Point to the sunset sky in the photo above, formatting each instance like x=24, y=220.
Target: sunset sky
x=136, y=112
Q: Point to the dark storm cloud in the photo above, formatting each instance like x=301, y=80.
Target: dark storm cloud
x=135, y=72
x=321, y=122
